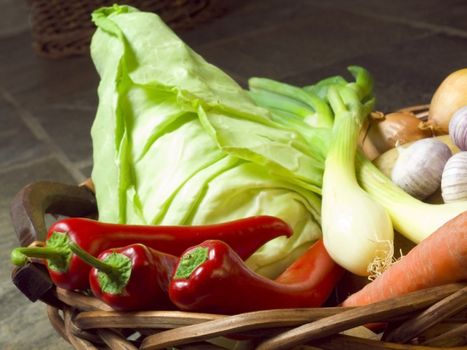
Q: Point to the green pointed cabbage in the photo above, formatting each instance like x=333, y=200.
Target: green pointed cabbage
x=176, y=141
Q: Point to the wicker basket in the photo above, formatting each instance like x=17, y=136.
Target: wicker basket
x=63, y=28
x=434, y=318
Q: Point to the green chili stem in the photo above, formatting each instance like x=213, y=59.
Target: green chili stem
x=93, y=261
x=19, y=255
x=190, y=261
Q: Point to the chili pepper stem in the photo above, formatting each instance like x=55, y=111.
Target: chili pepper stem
x=94, y=262
x=19, y=255
x=114, y=271
x=190, y=261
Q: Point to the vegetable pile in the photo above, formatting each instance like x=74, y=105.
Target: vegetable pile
x=216, y=198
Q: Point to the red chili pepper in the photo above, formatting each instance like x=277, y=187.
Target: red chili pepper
x=70, y=272
x=211, y=277
x=134, y=277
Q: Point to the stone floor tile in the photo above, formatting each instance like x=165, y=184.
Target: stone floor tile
x=17, y=143
x=87, y=170
x=405, y=74
x=15, y=17
x=69, y=127
x=301, y=45
x=14, y=179
x=422, y=13
x=245, y=17
x=34, y=80
x=27, y=325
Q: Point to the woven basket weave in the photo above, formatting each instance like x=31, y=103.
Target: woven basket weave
x=62, y=28
x=429, y=319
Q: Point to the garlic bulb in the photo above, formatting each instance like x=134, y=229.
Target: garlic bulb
x=418, y=168
x=454, y=179
x=458, y=128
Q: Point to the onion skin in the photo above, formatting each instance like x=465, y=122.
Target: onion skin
x=388, y=131
x=447, y=99
x=396, y=129
x=458, y=128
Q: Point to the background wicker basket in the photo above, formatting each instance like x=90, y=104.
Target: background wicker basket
x=429, y=319
x=63, y=28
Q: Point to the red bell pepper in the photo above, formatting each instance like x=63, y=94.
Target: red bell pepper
x=211, y=277
x=70, y=272
x=134, y=277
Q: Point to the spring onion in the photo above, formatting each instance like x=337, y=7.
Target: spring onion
x=411, y=217
x=321, y=114
x=357, y=231
x=414, y=219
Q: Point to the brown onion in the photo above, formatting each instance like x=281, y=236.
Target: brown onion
x=447, y=99
x=388, y=131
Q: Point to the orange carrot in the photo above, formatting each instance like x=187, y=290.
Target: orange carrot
x=439, y=259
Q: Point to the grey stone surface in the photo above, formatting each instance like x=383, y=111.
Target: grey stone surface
x=16, y=139
x=15, y=17
x=309, y=39
x=434, y=14
x=47, y=106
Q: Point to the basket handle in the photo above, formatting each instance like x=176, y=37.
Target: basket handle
x=34, y=282
x=27, y=211
x=31, y=203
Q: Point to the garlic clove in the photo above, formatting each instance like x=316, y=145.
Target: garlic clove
x=454, y=179
x=458, y=128
x=419, y=168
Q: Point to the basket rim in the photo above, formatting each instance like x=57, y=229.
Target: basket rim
x=165, y=328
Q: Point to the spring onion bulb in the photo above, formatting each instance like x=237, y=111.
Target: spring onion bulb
x=357, y=231
x=414, y=219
